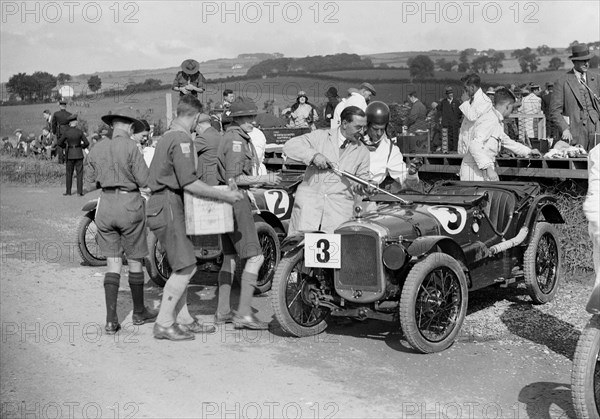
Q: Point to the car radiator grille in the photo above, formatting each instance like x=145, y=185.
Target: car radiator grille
x=360, y=261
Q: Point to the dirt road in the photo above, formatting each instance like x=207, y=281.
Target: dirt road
x=512, y=360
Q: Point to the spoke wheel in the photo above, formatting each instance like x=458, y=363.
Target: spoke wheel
x=542, y=263
x=87, y=243
x=585, y=377
x=294, y=297
x=159, y=268
x=433, y=304
x=269, y=243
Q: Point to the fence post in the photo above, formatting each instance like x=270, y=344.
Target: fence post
x=169, y=109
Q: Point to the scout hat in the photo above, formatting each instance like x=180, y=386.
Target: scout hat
x=126, y=115
x=580, y=52
x=243, y=108
x=141, y=127
x=369, y=87
x=190, y=66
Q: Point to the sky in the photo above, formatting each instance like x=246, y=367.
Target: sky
x=78, y=37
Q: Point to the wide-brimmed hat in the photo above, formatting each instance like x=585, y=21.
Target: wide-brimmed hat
x=126, y=115
x=141, y=127
x=331, y=92
x=369, y=87
x=580, y=52
x=190, y=66
x=243, y=108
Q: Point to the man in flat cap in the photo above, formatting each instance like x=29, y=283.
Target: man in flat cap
x=358, y=98
x=575, y=103
x=117, y=167
x=73, y=141
x=189, y=81
x=58, y=123
x=450, y=115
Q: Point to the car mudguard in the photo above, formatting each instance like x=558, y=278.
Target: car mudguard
x=423, y=245
x=546, y=205
x=271, y=219
x=90, y=205
x=292, y=244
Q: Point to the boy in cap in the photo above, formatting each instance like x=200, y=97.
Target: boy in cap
x=117, y=167
x=575, y=104
x=237, y=162
x=173, y=171
x=73, y=140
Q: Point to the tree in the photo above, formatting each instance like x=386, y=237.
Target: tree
x=555, y=64
x=480, y=64
x=63, y=78
x=496, y=61
x=43, y=84
x=544, y=50
x=22, y=85
x=463, y=60
x=421, y=67
x=94, y=83
x=444, y=65
x=528, y=60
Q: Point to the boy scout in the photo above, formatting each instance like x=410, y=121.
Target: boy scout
x=117, y=166
x=236, y=159
x=172, y=171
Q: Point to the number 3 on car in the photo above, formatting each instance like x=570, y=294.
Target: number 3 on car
x=322, y=250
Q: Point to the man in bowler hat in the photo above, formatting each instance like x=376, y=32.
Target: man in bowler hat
x=575, y=102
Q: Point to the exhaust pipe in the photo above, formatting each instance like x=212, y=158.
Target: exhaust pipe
x=508, y=244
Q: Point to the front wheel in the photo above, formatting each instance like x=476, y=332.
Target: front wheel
x=295, y=297
x=158, y=269
x=433, y=304
x=541, y=263
x=585, y=377
x=87, y=243
x=269, y=243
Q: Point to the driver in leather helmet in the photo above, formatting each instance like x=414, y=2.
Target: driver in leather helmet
x=388, y=169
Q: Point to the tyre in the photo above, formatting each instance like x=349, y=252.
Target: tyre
x=542, y=263
x=585, y=377
x=294, y=297
x=87, y=243
x=269, y=243
x=433, y=303
x=158, y=268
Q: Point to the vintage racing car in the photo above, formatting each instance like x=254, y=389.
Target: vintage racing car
x=417, y=256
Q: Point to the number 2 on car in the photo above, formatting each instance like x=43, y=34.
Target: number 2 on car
x=322, y=250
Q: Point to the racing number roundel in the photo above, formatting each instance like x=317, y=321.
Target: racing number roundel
x=278, y=202
x=452, y=219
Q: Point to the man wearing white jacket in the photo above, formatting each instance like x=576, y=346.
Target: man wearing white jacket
x=488, y=138
x=475, y=103
x=591, y=206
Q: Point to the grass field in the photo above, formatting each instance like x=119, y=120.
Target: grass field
x=281, y=89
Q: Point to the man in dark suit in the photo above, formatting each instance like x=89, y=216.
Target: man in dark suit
x=417, y=115
x=450, y=115
x=207, y=144
x=59, y=122
x=546, y=100
x=575, y=103
x=73, y=140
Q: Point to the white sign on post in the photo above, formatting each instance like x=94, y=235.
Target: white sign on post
x=323, y=251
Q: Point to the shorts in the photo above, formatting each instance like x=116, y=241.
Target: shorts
x=243, y=240
x=166, y=219
x=121, y=223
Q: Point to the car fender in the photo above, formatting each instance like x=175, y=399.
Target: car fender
x=90, y=205
x=547, y=206
x=423, y=245
x=271, y=219
x=294, y=243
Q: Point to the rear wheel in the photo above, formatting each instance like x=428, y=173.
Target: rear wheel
x=541, y=264
x=295, y=297
x=158, y=268
x=433, y=304
x=87, y=243
x=585, y=377
x=269, y=243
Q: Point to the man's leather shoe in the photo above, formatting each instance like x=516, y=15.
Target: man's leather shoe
x=112, y=327
x=249, y=322
x=66, y=194
x=223, y=318
x=148, y=316
x=172, y=332
x=195, y=327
